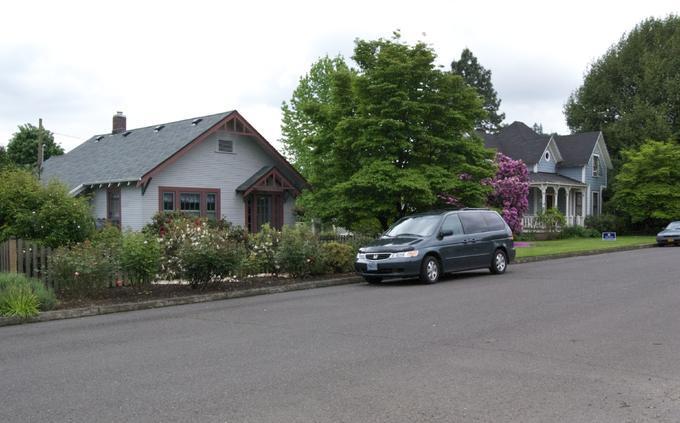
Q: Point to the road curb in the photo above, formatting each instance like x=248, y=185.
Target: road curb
x=522, y=260
x=166, y=302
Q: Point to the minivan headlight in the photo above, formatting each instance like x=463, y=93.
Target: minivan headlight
x=412, y=253
x=361, y=256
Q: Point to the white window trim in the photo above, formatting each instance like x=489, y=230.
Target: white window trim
x=546, y=156
x=599, y=168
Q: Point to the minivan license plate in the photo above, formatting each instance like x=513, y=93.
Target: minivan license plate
x=372, y=266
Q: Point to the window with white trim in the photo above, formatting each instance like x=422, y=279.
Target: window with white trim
x=547, y=156
x=596, y=203
x=596, y=165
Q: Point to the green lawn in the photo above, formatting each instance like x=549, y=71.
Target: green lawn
x=546, y=248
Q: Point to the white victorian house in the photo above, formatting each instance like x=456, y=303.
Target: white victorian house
x=567, y=172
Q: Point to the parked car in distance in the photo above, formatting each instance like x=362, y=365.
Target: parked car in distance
x=428, y=245
x=670, y=235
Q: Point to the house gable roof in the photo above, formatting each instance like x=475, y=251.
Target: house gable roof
x=138, y=154
x=518, y=141
x=577, y=148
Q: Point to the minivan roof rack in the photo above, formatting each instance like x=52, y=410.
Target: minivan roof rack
x=475, y=208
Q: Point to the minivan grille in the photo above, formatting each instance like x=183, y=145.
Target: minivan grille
x=377, y=256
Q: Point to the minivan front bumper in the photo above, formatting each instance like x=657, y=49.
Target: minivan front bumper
x=390, y=267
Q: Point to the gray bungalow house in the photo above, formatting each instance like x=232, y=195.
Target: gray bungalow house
x=568, y=172
x=212, y=166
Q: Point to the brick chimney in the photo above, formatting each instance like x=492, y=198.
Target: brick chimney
x=119, y=123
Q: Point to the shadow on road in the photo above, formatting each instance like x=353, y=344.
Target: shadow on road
x=450, y=278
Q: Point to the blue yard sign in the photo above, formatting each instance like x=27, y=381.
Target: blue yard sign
x=608, y=236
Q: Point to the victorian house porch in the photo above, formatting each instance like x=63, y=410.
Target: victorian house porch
x=548, y=191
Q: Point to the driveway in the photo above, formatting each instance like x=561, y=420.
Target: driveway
x=587, y=339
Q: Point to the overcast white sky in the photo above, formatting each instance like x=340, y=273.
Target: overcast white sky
x=75, y=63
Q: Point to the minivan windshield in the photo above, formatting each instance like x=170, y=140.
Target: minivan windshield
x=673, y=226
x=420, y=226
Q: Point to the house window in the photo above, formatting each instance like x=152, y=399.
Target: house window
x=225, y=146
x=596, y=203
x=578, y=203
x=596, y=166
x=547, y=156
x=192, y=201
x=168, y=201
x=113, y=209
x=211, y=205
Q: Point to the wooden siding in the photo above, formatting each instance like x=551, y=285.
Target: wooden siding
x=571, y=172
x=204, y=167
x=547, y=166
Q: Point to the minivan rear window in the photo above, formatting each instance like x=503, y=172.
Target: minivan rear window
x=473, y=222
x=493, y=222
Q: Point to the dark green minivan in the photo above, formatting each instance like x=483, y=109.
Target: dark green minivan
x=428, y=245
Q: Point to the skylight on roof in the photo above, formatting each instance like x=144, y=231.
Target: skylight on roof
x=99, y=138
x=196, y=121
x=126, y=133
x=158, y=128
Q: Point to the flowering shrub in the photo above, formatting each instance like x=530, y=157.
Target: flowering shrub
x=82, y=268
x=263, y=247
x=510, y=191
x=299, y=253
x=199, y=251
x=209, y=258
x=338, y=257
x=140, y=257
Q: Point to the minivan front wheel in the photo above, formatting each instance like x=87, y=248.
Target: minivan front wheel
x=430, y=270
x=499, y=263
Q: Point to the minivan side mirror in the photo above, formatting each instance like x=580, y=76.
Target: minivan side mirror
x=447, y=232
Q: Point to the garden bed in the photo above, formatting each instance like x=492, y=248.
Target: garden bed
x=165, y=290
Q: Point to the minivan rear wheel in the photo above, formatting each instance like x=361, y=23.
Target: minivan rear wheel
x=373, y=279
x=499, y=262
x=430, y=270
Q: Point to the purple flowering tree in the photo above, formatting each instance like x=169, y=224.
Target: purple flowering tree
x=510, y=190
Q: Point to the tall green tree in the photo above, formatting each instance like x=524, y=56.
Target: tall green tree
x=646, y=187
x=49, y=213
x=4, y=159
x=300, y=127
x=632, y=92
x=385, y=139
x=22, y=149
x=478, y=77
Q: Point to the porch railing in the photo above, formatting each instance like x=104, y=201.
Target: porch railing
x=531, y=223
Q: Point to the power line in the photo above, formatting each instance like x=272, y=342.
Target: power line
x=68, y=136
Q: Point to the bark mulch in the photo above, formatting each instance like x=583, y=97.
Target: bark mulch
x=128, y=294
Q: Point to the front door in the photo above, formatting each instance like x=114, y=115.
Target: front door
x=549, y=201
x=264, y=208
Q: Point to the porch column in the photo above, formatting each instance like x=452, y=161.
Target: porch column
x=567, y=212
x=584, y=202
x=543, y=200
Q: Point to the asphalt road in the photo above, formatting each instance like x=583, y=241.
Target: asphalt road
x=587, y=339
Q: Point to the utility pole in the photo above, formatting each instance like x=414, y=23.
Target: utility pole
x=41, y=147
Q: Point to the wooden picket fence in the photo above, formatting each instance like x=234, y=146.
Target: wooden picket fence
x=27, y=257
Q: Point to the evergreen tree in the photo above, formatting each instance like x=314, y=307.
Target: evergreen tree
x=476, y=76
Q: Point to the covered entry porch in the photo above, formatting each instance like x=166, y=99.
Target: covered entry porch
x=551, y=191
x=264, y=195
